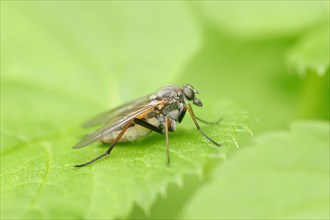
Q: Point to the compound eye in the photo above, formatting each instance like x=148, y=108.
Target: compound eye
x=189, y=93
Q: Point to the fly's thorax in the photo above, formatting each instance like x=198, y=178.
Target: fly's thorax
x=169, y=92
x=173, y=109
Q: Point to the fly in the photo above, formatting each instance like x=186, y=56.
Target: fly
x=159, y=112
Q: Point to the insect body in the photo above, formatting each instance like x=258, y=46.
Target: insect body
x=159, y=112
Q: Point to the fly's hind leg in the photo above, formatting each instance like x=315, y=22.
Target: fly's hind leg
x=148, y=125
x=110, y=148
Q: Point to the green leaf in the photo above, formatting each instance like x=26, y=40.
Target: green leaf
x=284, y=175
x=58, y=67
x=40, y=173
x=311, y=53
x=257, y=19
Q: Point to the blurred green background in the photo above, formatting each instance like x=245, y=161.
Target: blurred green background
x=62, y=62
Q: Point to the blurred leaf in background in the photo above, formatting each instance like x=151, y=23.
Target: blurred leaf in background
x=287, y=177
x=62, y=62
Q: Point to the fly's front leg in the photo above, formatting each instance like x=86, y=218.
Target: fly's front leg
x=209, y=123
x=198, y=127
x=205, y=122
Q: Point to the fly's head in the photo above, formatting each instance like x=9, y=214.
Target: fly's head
x=189, y=94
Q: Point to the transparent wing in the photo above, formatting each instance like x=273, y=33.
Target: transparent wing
x=115, y=125
x=119, y=112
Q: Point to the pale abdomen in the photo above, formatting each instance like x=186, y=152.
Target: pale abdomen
x=132, y=133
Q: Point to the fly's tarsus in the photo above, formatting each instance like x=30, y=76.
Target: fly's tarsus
x=208, y=138
x=110, y=148
x=92, y=161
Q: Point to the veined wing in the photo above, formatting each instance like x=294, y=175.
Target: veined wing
x=117, y=113
x=115, y=125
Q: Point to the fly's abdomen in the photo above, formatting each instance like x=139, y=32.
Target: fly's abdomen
x=132, y=133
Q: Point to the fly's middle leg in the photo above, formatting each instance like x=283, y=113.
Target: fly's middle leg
x=167, y=124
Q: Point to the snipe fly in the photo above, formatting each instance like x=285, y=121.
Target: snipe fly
x=159, y=112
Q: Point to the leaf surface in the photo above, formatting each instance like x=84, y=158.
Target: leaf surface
x=262, y=19
x=283, y=175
